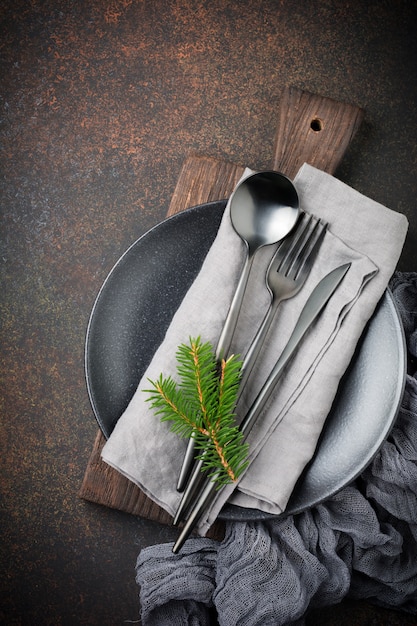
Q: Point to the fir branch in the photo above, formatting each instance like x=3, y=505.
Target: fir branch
x=202, y=405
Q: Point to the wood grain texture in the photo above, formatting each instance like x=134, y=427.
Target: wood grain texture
x=203, y=179
x=104, y=485
x=314, y=130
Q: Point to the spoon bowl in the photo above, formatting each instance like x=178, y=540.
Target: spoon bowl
x=264, y=208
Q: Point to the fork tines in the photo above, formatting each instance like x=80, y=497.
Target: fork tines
x=296, y=252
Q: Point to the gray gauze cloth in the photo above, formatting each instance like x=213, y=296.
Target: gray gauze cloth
x=360, y=544
x=362, y=232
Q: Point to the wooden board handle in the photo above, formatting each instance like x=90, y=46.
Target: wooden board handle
x=313, y=129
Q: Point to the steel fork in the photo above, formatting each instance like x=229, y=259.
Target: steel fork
x=287, y=273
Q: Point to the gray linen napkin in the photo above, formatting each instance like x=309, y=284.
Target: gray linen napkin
x=361, y=231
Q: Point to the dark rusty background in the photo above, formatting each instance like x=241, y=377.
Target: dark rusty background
x=100, y=102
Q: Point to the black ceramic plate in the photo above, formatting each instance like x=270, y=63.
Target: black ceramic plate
x=136, y=304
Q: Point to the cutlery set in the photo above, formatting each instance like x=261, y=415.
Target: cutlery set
x=299, y=240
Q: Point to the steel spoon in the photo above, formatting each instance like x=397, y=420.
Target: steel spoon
x=264, y=208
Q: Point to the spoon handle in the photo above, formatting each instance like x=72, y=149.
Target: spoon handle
x=257, y=342
x=222, y=351
x=229, y=326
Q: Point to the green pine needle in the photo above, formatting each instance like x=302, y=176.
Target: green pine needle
x=202, y=405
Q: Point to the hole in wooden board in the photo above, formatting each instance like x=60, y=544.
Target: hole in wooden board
x=316, y=124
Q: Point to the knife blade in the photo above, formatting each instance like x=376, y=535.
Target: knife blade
x=317, y=300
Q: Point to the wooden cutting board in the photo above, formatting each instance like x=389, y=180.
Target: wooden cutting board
x=311, y=129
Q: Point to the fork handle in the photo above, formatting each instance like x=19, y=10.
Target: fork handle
x=194, y=478
x=187, y=465
x=188, y=476
x=257, y=342
x=194, y=482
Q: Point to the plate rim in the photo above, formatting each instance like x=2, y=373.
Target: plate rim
x=177, y=216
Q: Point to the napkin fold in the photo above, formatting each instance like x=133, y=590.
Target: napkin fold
x=362, y=232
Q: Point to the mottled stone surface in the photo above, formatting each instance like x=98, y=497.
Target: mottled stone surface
x=100, y=102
